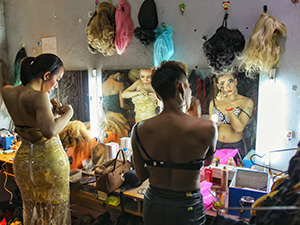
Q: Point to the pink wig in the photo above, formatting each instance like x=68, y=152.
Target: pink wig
x=124, y=26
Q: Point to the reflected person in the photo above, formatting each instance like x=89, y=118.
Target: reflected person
x=112, y=89
x=170, y=150
x=143, y=96
x=232, y=112
x=41, y=166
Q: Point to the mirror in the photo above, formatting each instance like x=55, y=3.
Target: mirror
x=204, y=86
x=121, y=111
x=127, y=98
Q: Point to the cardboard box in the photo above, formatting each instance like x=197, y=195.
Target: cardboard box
x=247, y=185
x=6, y=142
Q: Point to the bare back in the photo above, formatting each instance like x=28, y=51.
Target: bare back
x=31, y=108
x=176, y=138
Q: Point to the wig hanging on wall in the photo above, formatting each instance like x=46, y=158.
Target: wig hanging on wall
x=100, y=30
x=148, y=22
x=163, y=46
x=5, y=79
x=262, y=51
x=221, y=49
x=124, y=26
x=21, y=54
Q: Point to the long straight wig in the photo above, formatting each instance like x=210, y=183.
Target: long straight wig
x=263, y=50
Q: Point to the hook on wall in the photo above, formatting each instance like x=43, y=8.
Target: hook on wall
x=265, y=8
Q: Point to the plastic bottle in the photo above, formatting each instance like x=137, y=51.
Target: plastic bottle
x=127, y=154
x=224, y=179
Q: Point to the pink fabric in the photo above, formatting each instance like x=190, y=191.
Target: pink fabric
x=225, y=155
x=124, y=26
x=208, y=198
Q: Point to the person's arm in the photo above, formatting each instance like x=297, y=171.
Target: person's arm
x=239, y=123
x=131, y=91
x=210, y=110
x=141, y=170
x=210, y=155
x=195, y=108
x=49, y=125
x=121, y=88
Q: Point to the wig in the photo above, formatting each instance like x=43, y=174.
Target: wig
x=17, y=66
x=98, y=154
x=115, y=123
x=101, y=30
x=148, y=22
x=163, y=46
x=5, y=79
x=134, y=75
x=124, y=26
x=221, y=49
x=262, y=52
x=75, y=134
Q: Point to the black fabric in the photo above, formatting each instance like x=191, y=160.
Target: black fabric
x=221, y=220
x=235, y=145
x=193, y=165
x=129, y=219
x=161, y=207
x=130, y=181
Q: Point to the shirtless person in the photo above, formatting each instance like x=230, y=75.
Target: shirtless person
x=174, y=146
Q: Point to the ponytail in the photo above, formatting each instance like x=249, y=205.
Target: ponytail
x=32, y=68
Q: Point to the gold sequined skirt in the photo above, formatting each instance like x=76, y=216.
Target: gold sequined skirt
x=42, y=175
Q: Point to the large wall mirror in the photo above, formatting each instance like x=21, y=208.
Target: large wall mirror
x=120, y=113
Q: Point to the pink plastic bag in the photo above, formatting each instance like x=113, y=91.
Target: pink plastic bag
x=225, y=155
x=208, y=198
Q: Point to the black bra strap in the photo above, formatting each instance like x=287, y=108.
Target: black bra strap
x=139, y=141
x=244, y=112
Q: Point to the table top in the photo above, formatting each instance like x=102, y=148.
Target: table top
x=7, y=158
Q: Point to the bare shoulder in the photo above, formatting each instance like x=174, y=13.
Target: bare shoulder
x=205, y=125
x=246, y=101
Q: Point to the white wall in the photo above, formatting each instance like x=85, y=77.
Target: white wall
x=30, y=20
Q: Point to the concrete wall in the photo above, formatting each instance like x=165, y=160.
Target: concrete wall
x=30, y=20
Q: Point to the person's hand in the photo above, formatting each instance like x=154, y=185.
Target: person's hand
x=56, y=105
x=143, y=92
x=195, y=108
x=64, y=109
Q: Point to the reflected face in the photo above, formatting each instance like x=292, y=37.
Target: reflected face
x=145, y=76
x=227, y=84
x=52, y=82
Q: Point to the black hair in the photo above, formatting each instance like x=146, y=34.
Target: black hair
x=165, y=78
x=32, y=67
x=148, y=21
x=220, y=50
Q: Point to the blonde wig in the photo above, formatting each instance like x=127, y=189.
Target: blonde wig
x=115, y=123
x=262, y=52
x=101, y=30
x=76, y=135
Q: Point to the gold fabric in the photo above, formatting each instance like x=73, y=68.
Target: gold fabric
x=44, y=183
x=144, y=107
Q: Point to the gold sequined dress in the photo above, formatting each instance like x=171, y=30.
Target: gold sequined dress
x=41, y=169
x=144, y=107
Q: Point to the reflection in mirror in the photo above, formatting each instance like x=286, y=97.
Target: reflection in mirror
x=127, y=98
x=231, y=102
